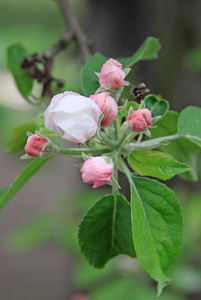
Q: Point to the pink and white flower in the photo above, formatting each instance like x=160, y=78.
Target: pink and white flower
x=73, y=116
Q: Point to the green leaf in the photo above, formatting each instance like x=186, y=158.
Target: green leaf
x=181, y=149
x=161, y=286
x=15, y=53
x=190, y=124
x=25, y=175
x=157, y=225
x=155, y=164
x=18, y=137
x=106, y=231
x=40, y=128
x=158, y=107
x=2, y=193
x=90, y=81
x=148, y=50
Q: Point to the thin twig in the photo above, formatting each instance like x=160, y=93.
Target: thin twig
x=33, y=63
x=73, y=23
x=62, y=44
x=30, y=63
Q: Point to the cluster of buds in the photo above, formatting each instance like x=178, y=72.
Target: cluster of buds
x=77, y=119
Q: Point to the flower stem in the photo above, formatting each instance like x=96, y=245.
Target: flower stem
x=79, y=151
x=114, y=191
x=150, y=144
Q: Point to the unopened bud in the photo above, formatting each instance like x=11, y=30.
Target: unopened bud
x=107, y=105
x=37, y=146
x=111, y=75
x=140, y=119
x=97, y=170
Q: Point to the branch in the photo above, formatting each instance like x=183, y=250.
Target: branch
x=30, y=63
x=33, y=63
x=73, y=23
x=62, y=44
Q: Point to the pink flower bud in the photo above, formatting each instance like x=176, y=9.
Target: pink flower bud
x=111, y=76
x=140, y=119
x=80, y=296
x=36, y=146
x=107, y=105
x=97, y=170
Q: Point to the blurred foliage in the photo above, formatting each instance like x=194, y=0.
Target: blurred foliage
x=37, y=25
x=122, y=275
x=193, y=59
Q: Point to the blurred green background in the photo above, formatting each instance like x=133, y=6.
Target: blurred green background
x=39, y=253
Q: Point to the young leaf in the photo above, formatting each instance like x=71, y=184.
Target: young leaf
x=90, y=81
x=157, y=225
x=18, y=137
x=148, y=50
x=181, y=149
x=155, y=164
x=190, y=124
x=158, y=107
x=26, y=174
x=106, y=231
x=24, y=83
x=40, y=128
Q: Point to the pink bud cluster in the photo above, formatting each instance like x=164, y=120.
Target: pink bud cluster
x=76, y=118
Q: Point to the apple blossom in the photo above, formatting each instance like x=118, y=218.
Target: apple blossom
x=140, y=119
x=111, y=75
x=36, y=146
x=107, y=105
x=73, y=116
x=97, y=170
